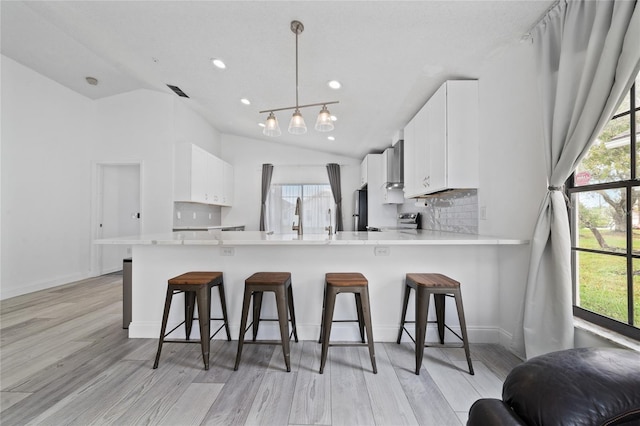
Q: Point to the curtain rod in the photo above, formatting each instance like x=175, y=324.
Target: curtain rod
x=527, y=35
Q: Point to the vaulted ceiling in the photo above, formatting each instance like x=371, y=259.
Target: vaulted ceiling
x=390, y=56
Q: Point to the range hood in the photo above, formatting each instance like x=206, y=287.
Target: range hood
x=394, y=163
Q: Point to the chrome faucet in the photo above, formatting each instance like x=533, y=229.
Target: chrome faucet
x=298, y=212
x=329, y=228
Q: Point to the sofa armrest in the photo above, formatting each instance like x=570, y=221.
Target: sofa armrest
x=493, y=412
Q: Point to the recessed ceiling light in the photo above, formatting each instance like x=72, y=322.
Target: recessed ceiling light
x=334, y=84
x=245, y=101
x=261, y=124
x=331, y=138
x=218, y=63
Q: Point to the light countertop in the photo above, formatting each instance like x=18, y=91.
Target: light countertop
x=237, y=238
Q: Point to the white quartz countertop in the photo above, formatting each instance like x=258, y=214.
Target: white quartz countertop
x=256, y=238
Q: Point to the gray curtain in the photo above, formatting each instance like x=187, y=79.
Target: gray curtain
x=333, y=170
x=267, y=172
x=588, y=55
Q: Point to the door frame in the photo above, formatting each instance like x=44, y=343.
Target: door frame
x=96, y=203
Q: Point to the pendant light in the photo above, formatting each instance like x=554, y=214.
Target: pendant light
x=297, y=125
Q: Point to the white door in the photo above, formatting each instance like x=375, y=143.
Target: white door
x=118, y=212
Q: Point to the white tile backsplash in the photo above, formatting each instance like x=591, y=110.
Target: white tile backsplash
x=196, y=214
x=455, y=211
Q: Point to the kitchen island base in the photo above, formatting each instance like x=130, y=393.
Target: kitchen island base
x=476, y=266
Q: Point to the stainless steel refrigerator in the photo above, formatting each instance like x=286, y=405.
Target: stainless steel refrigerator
x=360, y=210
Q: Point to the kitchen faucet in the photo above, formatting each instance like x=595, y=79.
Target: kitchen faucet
x=298, y=212
x=329, y=228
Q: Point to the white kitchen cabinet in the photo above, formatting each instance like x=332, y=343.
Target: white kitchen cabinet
x=364, y=170
x=199, y=176
x=441, y=141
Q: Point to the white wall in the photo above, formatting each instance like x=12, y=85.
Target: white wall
x=51, y=138
x=247, y=156
x=512, y=170
x=46, y=139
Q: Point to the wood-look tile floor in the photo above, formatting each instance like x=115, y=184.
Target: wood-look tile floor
x=65, y=360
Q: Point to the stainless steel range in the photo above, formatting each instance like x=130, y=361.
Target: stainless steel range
x=406, y=221
x=409, y=221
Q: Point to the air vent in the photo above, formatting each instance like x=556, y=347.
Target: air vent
x=178, y=91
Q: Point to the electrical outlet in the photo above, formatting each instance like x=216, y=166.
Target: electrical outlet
x=194, y=215
x=483, y=212
x=381, y=251
x=179, y=215
x=227, y=251
x=209, y=216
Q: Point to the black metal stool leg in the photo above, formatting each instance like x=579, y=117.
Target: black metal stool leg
x=281, y=304
x=366, y=313
x=407, y=291
x=324, y=301
x=422, y=312
x=223, y=303
x=189, y=308
x=361, y=319
x=463, y=328
x=257, y=308
x=163, y=328
x=439, y=303
x=204, y=315
x=330, y=301
x=243, y=325
x=292, y=312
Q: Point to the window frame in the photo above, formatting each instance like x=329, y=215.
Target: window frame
x=306, y=228
x=625, y=328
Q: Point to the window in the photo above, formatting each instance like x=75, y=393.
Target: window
x=605, y=224
x=316, y=202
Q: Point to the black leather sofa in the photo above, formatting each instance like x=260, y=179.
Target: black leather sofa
x=585, y=386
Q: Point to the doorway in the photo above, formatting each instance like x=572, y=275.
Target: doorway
x=117, y=204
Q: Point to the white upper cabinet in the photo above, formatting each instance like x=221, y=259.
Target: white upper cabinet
x=441, y=141
x=200, y=177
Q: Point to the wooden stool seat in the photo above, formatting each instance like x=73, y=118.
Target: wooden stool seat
x=196, y=287
x=346, y=282
x=433, y=280
x=196, y=278
x=345, y=279
x=280, y=284
x=440, y=286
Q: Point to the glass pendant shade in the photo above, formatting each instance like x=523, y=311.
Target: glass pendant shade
x=324, y=122
x=296, y=125
x=271, y=127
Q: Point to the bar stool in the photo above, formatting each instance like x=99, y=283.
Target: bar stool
x=440, y=286
x=346, y=282
x=196, y=287
x=254, y=287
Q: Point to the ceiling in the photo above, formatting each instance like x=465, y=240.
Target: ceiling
x=390, y=56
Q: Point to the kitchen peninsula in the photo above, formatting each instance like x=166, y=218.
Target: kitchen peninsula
x=480, y=263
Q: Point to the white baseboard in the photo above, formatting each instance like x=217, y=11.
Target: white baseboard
x=339, y=332
x=42, y=285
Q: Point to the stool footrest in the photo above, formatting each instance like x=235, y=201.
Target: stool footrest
x=348, y=344
x=192, y=341
x=432, y=322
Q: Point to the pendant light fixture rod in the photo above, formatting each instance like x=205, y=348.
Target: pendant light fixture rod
x=298, y=107
x=297, y=28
